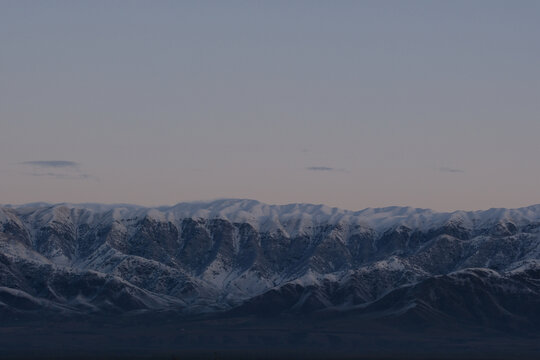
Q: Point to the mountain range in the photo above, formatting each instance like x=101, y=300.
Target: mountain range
x=228, y=259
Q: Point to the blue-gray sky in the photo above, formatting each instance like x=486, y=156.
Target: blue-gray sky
x=350, y=103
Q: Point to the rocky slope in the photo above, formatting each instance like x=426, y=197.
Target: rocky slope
x=246, y=257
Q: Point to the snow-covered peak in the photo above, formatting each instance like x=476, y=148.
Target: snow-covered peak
x=300, y=217
x=4, y=215
x=292, y=219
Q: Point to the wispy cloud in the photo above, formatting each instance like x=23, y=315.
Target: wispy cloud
x=319, y=168
x=57, y=169
x=324, y=168
x=450, y=170
x=52, y=164
x=63, y=176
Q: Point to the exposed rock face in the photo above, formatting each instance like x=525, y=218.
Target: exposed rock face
x=247, y=257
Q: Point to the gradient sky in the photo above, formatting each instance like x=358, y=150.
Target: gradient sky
x=349, y=103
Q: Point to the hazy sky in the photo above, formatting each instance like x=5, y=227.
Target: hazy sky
x=349, y=103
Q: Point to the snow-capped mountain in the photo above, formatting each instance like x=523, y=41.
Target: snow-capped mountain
x=244, y=256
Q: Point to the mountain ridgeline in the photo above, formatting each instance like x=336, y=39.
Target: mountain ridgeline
x=243, y=257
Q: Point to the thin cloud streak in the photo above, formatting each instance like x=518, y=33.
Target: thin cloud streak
x=57, y=169
x=450, y=170
x=52, y=163
x=320, y=168
x=64, y=176
x=324, y=169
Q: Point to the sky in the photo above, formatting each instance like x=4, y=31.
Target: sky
x=354, y=104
